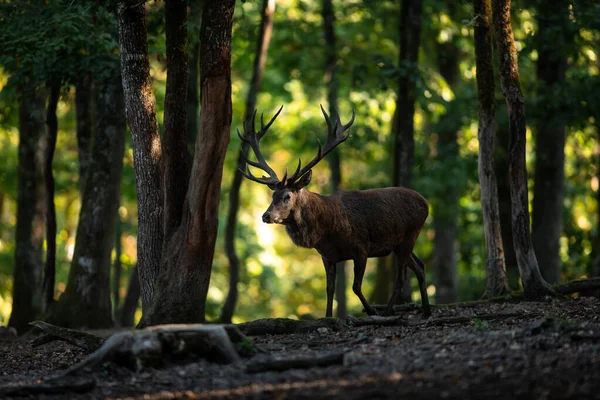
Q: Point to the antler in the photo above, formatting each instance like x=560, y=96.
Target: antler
x=252, y=139
x=335, y=136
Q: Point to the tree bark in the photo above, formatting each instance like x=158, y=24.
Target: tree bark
x=334, y=157
x=141, y=118
x=117, y=266
x=193, y=94
x=549, y=177
x=403, y=124
x=187, y=262
x=86, y=300
x=175, y=152
x=126, y=313
x=50, y=209
x=446, y=206
x=85, y=121
x=30, y=210
x=260, y=58
x=534, y=284
x=497, y=285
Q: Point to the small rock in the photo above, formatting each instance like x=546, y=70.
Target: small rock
x=322, y=330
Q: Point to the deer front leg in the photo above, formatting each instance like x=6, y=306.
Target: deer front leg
x=360, y=263
x=330, y=269
x=419, y=269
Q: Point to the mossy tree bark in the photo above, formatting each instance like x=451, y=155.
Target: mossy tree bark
x=260, y=58
x=29, y=235
x=534, y=284
x=497, y=285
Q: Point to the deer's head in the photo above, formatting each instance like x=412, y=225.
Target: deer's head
x=287, y=191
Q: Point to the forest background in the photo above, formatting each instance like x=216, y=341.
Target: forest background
x=277, y=278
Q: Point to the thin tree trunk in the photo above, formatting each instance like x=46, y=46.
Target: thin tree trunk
x=126, y=313
x=86, y=301
x=85, y=122
x=534, y=284
x=446, y=206
x=403, y=125
x=52, y=133
x=193, y=93
x=30, y=210
x=334, y=157
x=175, y=154
x=497, y=285
x=117, y=266
x=141, y=118
x=187, y=262
x=260, y=57
x=549, y=178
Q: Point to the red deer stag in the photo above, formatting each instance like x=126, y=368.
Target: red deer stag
x=348, y=225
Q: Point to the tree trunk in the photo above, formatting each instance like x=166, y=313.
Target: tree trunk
x=86, y=300
x=193, y=93
x=549, y=178
x=334, y=158
x=117, y=266
x=29, y=235
x=446, y=206
x=534, y=284
x=52, y=133
x=85, y=121
x=126, y=314
x=175, y=152
x=505, y=209
x=260, y=57
x=141, y=118
x=403, y=124
x=187, y=262
x=497, y=285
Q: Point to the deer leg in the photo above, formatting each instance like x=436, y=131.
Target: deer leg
x=360, y=263
x=400, y=278
x=419, y=269
x=330, y=269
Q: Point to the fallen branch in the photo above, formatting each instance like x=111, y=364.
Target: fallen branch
x=80, y=339
x=377, y=321
x=50, y=386
x=578, y=285
x=482, y=317
x=280, y=326
x=282, y=364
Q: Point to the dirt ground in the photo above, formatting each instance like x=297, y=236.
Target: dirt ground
x=527, y=350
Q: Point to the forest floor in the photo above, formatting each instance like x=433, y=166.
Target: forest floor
x=525, y=350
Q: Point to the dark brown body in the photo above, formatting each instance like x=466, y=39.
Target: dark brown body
x=355, y=225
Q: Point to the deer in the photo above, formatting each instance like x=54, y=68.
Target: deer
x=347, y=225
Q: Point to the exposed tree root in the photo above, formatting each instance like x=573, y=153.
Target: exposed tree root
x=279, y=326
x=482, y=317
x=377, y=321
x=282, y=364
x=578, y=285
x=80, y=339
x=51, y=386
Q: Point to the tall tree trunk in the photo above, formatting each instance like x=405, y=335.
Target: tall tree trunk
x=86, y=300
x=505, y=209
x=497, y=285
x=403, y=124
x=446, y=206
x=141, y=118
x=260, y=58
x=175, y=152
x=334, y=157
x=181, y=291
x=117, y=266
x=534, y=284
x=52, y=133
x=193, y=93
x=126, y=314
x=30, y=210
x=549, y=178
x=85, y=122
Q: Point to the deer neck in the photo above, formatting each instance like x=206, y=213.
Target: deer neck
x=312, y=217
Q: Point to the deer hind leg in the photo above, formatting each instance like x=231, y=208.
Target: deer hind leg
x=419, y=269
x=401, y=258
x=360, y=263
x=330, y=269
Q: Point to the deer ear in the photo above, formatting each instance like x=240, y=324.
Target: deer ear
x=304, y=180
